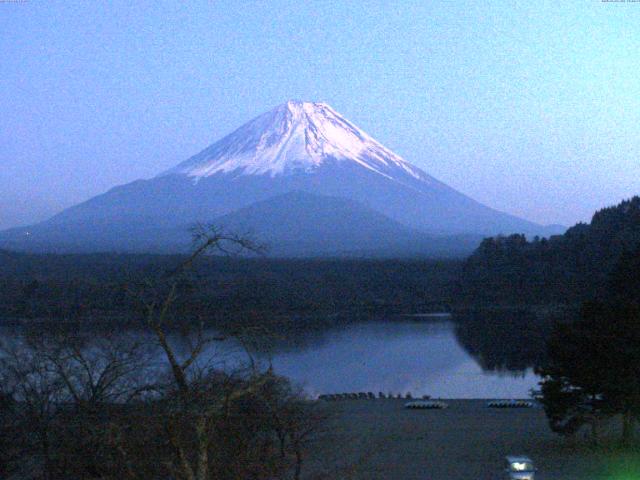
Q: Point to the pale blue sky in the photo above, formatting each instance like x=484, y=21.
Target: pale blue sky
x=531, y=107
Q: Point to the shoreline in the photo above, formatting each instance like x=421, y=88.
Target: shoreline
x=383, y=440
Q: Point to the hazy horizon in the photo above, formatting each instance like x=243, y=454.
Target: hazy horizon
x=530, y=108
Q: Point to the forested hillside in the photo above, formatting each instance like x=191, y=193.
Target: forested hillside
x=99, y=286
x=563, y=269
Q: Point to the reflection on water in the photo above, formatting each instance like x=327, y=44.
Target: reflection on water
x=481, y=356
x=421, y=357
x=504, y=341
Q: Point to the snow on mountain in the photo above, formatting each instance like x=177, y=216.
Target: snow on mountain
x=284, y=174
x=295, y=136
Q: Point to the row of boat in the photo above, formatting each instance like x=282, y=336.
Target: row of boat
x=366, y=396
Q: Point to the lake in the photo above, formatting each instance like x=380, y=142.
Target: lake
x=423, y=356
x=468, y=357
x=420, y=357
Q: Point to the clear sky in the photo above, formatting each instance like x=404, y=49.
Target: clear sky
x=531, y=107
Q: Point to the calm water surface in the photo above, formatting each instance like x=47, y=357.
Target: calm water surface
x=421, y=354
x=399, y=357
x=418, y=356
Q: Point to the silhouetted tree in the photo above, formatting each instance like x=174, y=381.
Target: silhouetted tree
x=593, y=369
x=625, y=278
x=567, y=269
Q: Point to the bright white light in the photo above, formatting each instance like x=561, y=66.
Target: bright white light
x=520, y=466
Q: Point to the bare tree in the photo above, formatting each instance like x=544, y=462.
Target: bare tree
x=65, y=388
x=197, y=401
x=296, y=421
x=28, y=380
x=98, y=369
x=97, y=406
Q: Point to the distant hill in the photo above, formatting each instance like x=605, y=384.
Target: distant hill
x=303, y=224
x=565, y=268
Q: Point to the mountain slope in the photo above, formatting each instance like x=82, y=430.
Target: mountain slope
x=296, y=147
x=293, y=224
x=299, y=223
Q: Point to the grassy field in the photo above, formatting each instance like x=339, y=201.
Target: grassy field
x=379, y=439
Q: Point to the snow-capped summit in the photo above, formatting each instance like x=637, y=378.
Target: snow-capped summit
x=295, y=136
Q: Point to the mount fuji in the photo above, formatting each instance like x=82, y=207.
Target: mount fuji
x=301, y=176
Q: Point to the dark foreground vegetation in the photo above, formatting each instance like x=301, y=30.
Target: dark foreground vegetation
x=68, y=411
x=592, y=370
x=88, y=406
x=591, y=363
